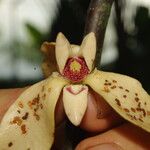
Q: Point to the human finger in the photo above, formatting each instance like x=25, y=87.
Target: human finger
x=99, y=115
x=125, y=137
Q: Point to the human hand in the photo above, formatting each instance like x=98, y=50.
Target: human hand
x=110, y=130
x=99, y=117
x=118, y=135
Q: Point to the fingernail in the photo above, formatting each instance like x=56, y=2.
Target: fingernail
x=110, y=146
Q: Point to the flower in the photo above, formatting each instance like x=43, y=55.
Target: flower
x=29, y=122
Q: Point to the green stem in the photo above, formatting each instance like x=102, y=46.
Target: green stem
x=96, y=21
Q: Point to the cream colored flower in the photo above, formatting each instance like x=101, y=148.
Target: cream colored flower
x=29, y=122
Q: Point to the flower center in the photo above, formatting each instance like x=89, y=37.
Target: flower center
x=75, y=69
x=75, y=66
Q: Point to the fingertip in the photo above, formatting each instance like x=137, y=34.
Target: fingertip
x=99, y=115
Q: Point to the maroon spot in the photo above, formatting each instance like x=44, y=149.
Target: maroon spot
x=20, y=104
x=106, y=89
x=114, y=81
x=25, y=116
x=134, y=118
x=126, y=90
x=37, y=117
x=109, y=84
x=106, y=80
x=118, y=102
x=136, y=99
x=139, y=104
x=106, y=84
x=120, y=87
x=124, y=96
x=141, y=120
x=16, y=120
x=18, y=111
x=41, y=106
x=113, y=87
x=126, y=110
x=132, y=109
x=10, y=144
x=23, y=129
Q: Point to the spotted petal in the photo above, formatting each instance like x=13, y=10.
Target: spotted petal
x=124, y=94
x=29, y=122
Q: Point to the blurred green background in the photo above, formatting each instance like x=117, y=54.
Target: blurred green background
x=24, y=25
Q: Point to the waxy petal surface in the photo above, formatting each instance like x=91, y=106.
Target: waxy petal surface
x=124, y=94
x=29, y=122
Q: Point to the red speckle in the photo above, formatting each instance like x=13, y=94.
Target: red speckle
x=20, y=104
x=106, y=84
x=106, y=89
x=113, y=87
x=44, y=96
x=126, y=110
x=136, y=99
x=132, y=109
x=124, y=96
x=126, y=90
x=10, y=144
x=18, y=111
x=75, y=76
x=25, y=117
x=69, y=89
x=141, y=120
x=37, y=117
x=118, y=102
x=139, y=104
x=17, y=120
x=114, y=81
x=120, y=87
x=23, y=129
x=41, y=106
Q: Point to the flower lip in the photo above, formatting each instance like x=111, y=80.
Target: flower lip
x=75, y=69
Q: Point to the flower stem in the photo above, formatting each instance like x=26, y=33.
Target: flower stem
x=97, y=18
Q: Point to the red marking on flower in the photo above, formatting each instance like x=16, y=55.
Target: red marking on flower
x=23, y=129
x=69, y=89
x=75, y=69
